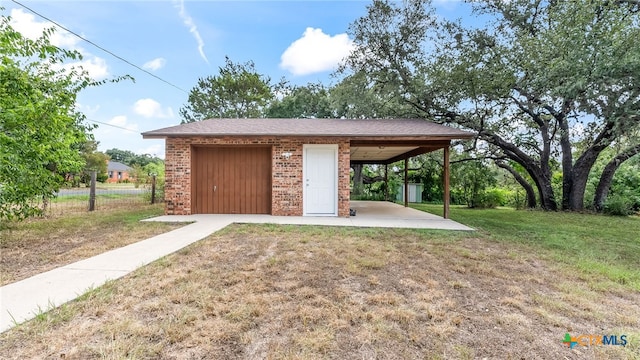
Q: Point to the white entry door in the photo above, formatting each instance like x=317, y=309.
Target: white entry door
x=320, y=173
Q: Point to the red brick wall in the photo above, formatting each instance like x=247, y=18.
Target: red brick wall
x=114, y=177
x=286, y=177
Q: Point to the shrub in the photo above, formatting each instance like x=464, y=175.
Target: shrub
x=490, y=199
x=618, y=205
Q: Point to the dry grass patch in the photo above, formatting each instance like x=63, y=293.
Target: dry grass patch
x=39, y=245
x=285, y=292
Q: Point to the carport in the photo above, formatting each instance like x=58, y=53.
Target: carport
x=386, y=152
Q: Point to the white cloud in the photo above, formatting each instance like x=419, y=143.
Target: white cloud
x=29, y=27
x=94, y=66
x=193, y=29
x=315, y=52
x=155, y=64
x=121, y=121
x=150, y=108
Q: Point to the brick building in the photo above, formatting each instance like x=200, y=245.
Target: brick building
x=117, y=172
x=284, y=166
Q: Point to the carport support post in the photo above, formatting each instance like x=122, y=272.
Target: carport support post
x=386, y=182
x=406, y=182
x=446, y=183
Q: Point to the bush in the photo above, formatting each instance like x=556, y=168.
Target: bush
x=618, y=205
x=368, y=196
x=490, y=199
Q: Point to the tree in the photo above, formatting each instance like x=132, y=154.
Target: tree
x=40, y=128
x=310, y=101
x=356, y=97
x=94, y=161
x=539, y=78
x=237, y=92
x=130, y=158
x=156, y=169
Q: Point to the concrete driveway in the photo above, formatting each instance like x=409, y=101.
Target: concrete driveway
x=368, y=214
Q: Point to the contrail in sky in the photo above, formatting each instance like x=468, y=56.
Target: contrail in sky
x=193, y=29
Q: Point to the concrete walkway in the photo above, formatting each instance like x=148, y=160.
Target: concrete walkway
x=25, y=299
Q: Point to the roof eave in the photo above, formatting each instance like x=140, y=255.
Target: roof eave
x=353, y=136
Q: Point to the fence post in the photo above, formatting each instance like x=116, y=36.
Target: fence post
x=92, y=191
x=153, y=189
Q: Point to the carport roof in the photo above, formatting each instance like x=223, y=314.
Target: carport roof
x=353, y=128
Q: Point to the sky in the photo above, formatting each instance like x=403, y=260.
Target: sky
x=180, y=41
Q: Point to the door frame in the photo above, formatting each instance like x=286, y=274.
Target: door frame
x=333, y=147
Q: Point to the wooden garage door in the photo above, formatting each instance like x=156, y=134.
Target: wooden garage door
x=231, y=180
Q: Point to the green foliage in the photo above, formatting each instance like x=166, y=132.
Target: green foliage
x=155, y=169
x=618, y=205
x=374, y=187
x=626, y=183
x=94, y=161
x=355, y=97
x=237, y=92
x=491, y=198
x=40, y=129
x=310, y=101
x=130, y=158
x=469, y=181
x=139, y=175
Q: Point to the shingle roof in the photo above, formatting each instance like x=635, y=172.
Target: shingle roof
x=310, y=127
x=117, y=166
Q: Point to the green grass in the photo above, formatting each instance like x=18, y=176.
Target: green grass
x=121, y=217
x=590, y=244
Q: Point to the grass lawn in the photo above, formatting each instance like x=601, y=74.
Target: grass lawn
x=589, y=244
x=506, y=291
x=37, y=245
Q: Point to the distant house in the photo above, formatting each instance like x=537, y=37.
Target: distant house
x=117, y=172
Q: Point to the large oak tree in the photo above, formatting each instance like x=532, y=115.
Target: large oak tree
x=534, y=81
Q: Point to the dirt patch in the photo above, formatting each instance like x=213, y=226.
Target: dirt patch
x=308, y=292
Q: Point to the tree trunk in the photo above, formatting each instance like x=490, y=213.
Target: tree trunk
x=531, y=195
x=357, y=179
x=602, y=190
x=583, y=165
x=542, y=180
x=580, y=176
x=567, y=162
x=547, y=198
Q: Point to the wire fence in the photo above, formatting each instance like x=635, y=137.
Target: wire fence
x=103, y=196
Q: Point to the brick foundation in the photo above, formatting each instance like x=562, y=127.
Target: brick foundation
x=286, y=175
